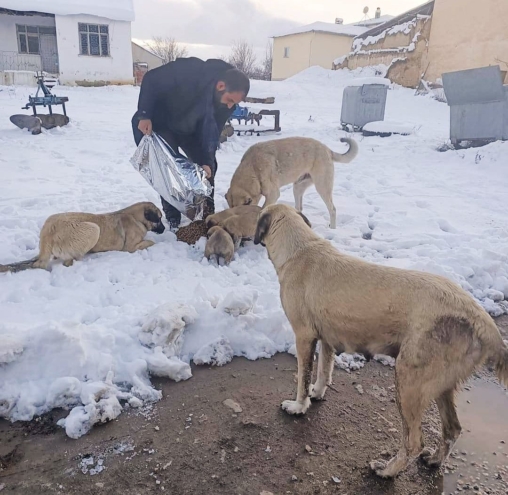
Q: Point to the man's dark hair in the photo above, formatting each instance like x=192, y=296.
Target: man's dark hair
x=236, y=81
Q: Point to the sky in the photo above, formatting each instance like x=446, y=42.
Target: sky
x=209, y=27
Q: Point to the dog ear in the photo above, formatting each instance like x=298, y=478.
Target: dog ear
x=262, y=228
x=152, y=216
x=305, y=219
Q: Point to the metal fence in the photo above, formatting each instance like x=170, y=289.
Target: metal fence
x=19, y=61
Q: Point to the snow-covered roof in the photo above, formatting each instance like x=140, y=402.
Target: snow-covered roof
x=375, y=21
x=326, y=27
x=354, y=29
x=117, y=10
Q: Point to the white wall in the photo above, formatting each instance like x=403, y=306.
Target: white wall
x=85, y=69
x=10, y=58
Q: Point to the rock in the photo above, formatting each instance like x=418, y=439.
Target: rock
x=294, y=478
x=233, y=405
x=359, y=389
x=335, y=479
x=308, y=448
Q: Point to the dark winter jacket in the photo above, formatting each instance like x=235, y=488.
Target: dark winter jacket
x=174, y=97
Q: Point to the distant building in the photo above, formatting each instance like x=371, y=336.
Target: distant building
x=318, y=44
x=78, y=43
x=436, y=37
x=143, y=60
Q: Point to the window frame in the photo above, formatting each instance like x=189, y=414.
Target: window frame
x=102, y=32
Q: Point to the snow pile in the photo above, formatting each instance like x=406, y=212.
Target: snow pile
x=350, y=362
x=360, y=81
x=87, y=338
x=117, y=10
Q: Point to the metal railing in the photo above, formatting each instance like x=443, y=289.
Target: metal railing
x=19, y=61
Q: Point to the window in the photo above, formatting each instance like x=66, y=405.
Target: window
x=94, y=40
x=28, y=38
x=286, y=52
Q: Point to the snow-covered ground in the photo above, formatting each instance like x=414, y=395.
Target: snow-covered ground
x=89, y=336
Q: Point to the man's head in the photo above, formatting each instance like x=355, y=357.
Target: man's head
x=232, y=88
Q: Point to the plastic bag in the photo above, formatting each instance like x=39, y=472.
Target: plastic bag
x=180, y=182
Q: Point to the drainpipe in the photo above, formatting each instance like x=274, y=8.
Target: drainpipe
x=310, y=47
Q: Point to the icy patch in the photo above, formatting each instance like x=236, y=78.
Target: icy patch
x=92, y=466
x=216, y=353
x=350, y=362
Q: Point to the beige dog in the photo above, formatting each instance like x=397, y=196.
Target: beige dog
x=218, y=218
x=69, y=236
x=241, y=227
x=219, y=245
x=437, y=332
x=266, y=167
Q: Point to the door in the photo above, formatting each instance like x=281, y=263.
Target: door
x=49, y=53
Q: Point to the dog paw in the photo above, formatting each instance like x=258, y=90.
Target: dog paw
x=294, y=407
x=379, y=468
x=317, y=392
x=431, y=458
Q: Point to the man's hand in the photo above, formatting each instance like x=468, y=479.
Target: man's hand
x=208, y=171
x=145, y=126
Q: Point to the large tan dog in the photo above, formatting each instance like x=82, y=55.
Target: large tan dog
x=69, y=236
x=266, y=167
x=437, y=332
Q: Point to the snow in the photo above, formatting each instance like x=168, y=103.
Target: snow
x=117, y=10
x=388, y=126
x=89, y=337
x=360, y=81
x=327, y=27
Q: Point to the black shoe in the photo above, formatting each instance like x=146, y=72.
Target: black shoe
x=174, y=224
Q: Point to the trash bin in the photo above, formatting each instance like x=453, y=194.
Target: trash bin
x=478, y=104
x=363, y=104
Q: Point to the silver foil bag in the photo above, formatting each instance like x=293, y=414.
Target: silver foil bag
x=180, y=182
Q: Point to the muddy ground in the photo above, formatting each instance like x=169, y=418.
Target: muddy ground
x=191, y=443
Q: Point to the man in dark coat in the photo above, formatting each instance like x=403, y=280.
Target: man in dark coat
x=188, y=102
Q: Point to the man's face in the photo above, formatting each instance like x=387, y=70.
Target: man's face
x=227, y=98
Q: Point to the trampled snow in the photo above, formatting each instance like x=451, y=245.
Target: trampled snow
x=88, y=338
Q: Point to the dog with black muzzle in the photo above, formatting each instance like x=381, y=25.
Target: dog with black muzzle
x=437, y=332
x=69, y=236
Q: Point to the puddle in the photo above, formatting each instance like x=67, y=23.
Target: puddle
x=479, y=462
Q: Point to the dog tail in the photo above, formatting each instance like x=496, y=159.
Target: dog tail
x=501, y=364
x=19, y=266
x=351, y=153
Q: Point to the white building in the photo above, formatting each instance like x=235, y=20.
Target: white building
x=82, y=42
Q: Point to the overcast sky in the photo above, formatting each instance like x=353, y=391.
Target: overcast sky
x=209, y=27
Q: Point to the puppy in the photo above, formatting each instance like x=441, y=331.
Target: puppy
x=69, y=236
x=241, y=227
x=219, y=245
x=218, y=218
x=266, y=167
x=436, y=331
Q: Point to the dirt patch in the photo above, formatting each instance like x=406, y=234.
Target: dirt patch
x=193, y=441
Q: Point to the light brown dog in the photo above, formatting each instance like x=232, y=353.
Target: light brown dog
x=241, y=227
x=218, y=218
x=438, y=334
x=69, y=236
x=219, y=245
x=266, y=167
